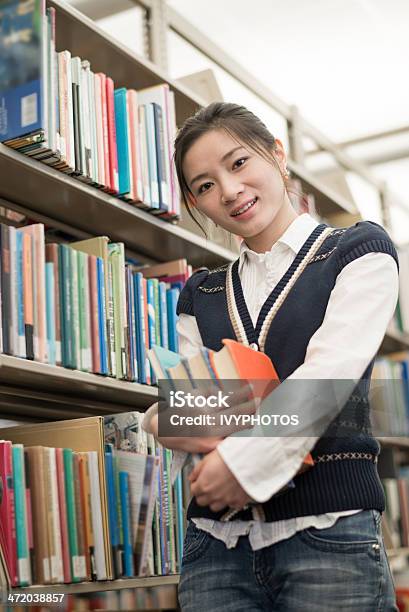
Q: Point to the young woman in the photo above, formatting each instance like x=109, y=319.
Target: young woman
x=317, y=301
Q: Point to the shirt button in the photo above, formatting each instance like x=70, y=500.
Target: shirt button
x=254, y=346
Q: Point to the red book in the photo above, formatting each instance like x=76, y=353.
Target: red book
x=7, y=512
x=63, y=515
x=113, y=156
x=105, y=133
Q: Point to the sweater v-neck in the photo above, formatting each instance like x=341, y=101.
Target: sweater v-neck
x=252, y=332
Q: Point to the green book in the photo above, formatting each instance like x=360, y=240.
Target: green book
x=20, y=507
x=65, y=306
x=155, y=282
x=77, y=566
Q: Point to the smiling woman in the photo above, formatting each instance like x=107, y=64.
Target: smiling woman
x=309, y=296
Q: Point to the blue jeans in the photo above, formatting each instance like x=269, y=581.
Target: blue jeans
x=340, y=569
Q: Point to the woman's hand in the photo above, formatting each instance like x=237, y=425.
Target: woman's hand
x=241, y=402
x=214, y=485
x=189, y=444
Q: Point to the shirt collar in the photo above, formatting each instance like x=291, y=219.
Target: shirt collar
x=294, y=237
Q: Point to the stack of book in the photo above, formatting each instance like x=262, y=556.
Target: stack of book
x=72, y=511
x=54, y=108
x=82, y=306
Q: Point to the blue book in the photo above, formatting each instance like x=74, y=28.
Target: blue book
x=130, y=305
x=150, y=286
x=102, y=327
x=163, y=314
x=129, y=569
x=21, y=334
x=151, y=151
x=20, y=506
x=113, y=511
x=22, y=99
x=163, y=181
x=143, y=363
x=179, y=516
x=172, y=296
x=50, y=311
x=122, y=140
x=161, y=359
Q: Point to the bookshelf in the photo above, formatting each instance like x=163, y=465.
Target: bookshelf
x=41, y=391
x=108, y=585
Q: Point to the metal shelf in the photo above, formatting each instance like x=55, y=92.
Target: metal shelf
x=37, y=188
x=106, y=585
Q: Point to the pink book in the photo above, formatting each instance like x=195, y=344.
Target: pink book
x=113, y=156
x=103, y=80
x=7, y=512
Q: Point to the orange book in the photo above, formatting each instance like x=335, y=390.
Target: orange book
x=236, y=361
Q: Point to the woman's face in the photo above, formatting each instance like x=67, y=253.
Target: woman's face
x=238, y=189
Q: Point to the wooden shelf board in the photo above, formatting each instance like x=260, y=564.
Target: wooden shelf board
x=394, y=341
x=328, y=201
x=71, y=388
x=58, y=196
x=107, y=585
x=395, y=441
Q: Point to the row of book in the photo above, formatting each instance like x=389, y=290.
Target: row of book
x=396, y=520
x=390, y=395
x=82, y=306
x=54, y=108
x=87, y=499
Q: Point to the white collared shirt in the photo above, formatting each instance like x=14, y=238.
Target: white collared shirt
x=358, y=312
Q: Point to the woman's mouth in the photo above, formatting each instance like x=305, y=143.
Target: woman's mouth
x=243, y=209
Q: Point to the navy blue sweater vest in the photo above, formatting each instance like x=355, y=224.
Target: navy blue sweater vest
x=344, y=476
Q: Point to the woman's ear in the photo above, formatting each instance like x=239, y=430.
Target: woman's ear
x=280, y=155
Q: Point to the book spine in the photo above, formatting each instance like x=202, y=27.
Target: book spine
x=77, y=561
x=75, y=319
x=122, y=140
x=49, y=285
x=6, y=288
x=86, y=510
x=13, y=291
x=62, y=501
x=164, y=332
x=56, y=559
x=23, y=558
x=7, y=510
x=96, y=516
x=51, y=256
x=81, y=527
x=21, y=337
x=113, y=515
x=113, y=155
x=102, y=318
x=129, y=569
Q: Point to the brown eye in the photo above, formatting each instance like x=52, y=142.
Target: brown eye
x=204, y=187
x=239, y=162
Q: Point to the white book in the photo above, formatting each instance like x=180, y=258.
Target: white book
x=99, y=130
x=86, y=115
x=159, y=94
x=93, y=126
x=96, y=516
x=76, y=79
x=56, y=560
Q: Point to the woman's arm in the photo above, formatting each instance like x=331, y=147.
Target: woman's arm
x=358, y=312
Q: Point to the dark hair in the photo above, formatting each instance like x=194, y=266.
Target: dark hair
x=240, y=123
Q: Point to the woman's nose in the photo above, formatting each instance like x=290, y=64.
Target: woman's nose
x=230, y=191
